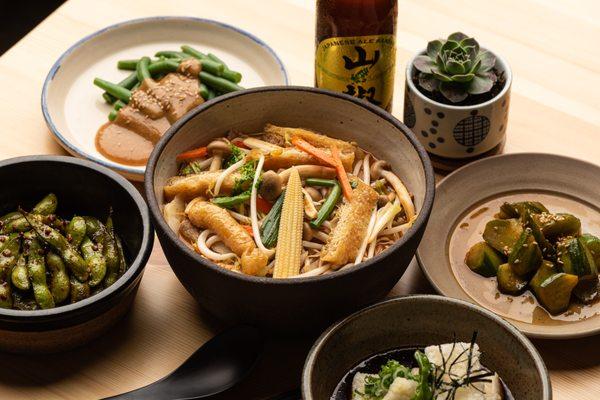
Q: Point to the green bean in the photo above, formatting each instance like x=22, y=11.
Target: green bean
x=46, y=206
x=111, y=254
x=228, y=74
x=320, y=182
x=56, y=240
x=328, y=206
x=203, y=91
x=95, y=261
x=36, y=268
x=212, y=67
x=113, y=89
x=8, y=255
x=59, y=278
x=211, y=94
x=163, y=66
x=76, y=231
x=79, y=290
x=219, y=84
x=230, y=201
x=19, y=276
x=142, y=69
x=114, y=112
x=193, y=52
x=127, y=83
x=172, y=54
x=112, y=115
x=127, y=64
x=270, y=225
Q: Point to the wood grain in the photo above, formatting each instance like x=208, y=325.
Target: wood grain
x=555, y=108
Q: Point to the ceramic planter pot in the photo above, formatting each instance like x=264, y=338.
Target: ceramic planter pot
x=457, y=131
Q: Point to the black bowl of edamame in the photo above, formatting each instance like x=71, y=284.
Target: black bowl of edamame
x=74, y=240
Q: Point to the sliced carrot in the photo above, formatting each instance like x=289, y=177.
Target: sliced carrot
x=191, y=154
x=263, y=205
x=313, y=151
x=248, y=229
x=341, y=172
x=240, y=143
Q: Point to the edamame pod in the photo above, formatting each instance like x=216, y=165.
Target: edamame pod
x=76, y=231
x=24, y=302
x=95, y=261
x=19, y=276
x=59, y=280
x=122, y=261
x=69, y=254
x=36, y=267
x=8, y=254
x=111, y=254
x=79, y=290
x=46, y=206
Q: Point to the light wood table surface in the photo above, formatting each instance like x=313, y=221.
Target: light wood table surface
x=552, y=46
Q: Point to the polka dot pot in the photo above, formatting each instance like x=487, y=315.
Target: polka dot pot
x=457, y=131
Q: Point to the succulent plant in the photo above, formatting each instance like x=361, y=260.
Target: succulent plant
x=456, y=67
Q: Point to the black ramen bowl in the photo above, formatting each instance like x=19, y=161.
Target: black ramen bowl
x=298, y=304
x=420, y=321
x=82, y=188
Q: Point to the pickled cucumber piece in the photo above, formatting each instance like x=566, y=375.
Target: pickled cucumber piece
x=545, y=270
x=502, y=234
x=547, y=248
x=509, y=282
x=483, y=259
x=575, y=258
x=519, y=209
x=593, y=245
x=587, y=288
x=526, y=256
x=554, y=293
x=557, y=225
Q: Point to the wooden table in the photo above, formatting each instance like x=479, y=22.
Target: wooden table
x=551, y=45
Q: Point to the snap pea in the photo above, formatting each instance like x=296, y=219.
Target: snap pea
x=36, y=268
x=76, y=231
x=142, y=69
x=46, y=206
x=113, y=89
x=59, y=278
x=219, y=84
x=8, y=254
x=228, y=74
x=95, y=261
x=111, y=254
x=328, y=206
x=320, y=182
x=79, y=290
x=57, y=241
x=19, y=275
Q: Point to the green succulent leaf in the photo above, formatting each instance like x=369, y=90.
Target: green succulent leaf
x=480, y=84
x=488, y=61
x=449, y=46
x=424, y=64
x=433, y=48
x=470, y=42
x=455, y=68
x=463, y=78
x=457, y=36
x=440, y=76
x=428, y=82
x=475, y=67
x=455, y=93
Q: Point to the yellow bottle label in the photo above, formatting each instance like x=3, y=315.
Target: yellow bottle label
x=361, y=66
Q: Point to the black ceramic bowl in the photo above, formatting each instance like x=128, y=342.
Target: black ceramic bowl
x=291, y=305
x=420, y=321
x=83, y=188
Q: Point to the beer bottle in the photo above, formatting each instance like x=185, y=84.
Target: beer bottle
x=356, y=48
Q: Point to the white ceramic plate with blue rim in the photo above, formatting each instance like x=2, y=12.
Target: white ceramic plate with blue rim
x=73, y=107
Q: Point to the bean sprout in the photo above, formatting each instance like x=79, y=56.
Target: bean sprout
x=240, y=217
x=208, y=253
x=312, y=245
x=365, y=242
x=253, y=216
x=356, y=169
x=225, y=173
x=366, y=175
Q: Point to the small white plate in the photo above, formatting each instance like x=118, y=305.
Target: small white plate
x=73, y=107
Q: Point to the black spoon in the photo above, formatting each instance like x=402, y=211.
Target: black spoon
x=216, y=366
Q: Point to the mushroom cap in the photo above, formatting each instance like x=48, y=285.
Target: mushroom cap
x=377, y=167
x=219, y=146
x=271, y=186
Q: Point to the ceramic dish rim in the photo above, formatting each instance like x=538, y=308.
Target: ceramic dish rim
x=524, y=325
x=122, y=168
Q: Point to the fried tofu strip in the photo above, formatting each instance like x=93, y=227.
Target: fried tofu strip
x=347, y=236
x=195, y=185
x=291, y=156
x=316, y=139
x=207, y=215
x=148, y=128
